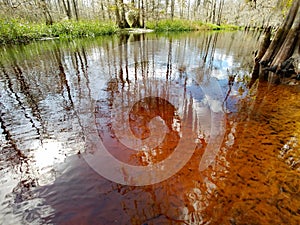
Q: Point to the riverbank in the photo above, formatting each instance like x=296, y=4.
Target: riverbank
x=18, y=32
x=186, y=25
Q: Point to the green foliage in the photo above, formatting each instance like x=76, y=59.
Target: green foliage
x=184, y=25
x=13, y=31
x=221, y=27
x=18, y=31
x=211, y=26
x=74, y=29
x=170, y=25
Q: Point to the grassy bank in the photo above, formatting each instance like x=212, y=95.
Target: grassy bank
x=14, y=32
x=22, y=32
x=185, y=25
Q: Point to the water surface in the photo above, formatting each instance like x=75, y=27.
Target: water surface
x=56, y=97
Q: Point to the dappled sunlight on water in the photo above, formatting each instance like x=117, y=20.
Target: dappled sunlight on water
x=147, y=99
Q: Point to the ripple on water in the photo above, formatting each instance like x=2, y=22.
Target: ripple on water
x=44, y=113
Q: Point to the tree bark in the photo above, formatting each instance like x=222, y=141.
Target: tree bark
x=281, y=34
x=287, y=49
x=172, y=9
x=213, y=12
x=221, y=4
x=108, y=9
x=67, y=8
x=281, y=53
x=125, y=24
x=121, y=14
x=262, y=50
x=46, y=12
x=118, y=18
x=167, y=5
x=75, y=9
x=102, y=11
x=143, y=14
x=136, y=20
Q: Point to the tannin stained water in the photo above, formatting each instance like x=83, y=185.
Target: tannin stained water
x=58, y=100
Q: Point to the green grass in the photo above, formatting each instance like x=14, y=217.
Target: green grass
x=186, y=25
x=14, y=31
x=17, y=31
x=82, y=29
x=170, y=25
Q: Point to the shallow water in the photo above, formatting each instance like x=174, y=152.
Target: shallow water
x=193, y=144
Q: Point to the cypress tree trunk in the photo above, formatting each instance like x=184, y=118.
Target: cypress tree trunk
x=46, y=12
x=118, y=19
x=172, y=9
x=281, y=34
x=283, y=50
x=121, y=14
x=287, y=48
x=136, y=20
x=262, y=50
x=67, y=9
x=125, y=24
x=143, y=14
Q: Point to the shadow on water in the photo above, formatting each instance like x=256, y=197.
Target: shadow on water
x=56, y=96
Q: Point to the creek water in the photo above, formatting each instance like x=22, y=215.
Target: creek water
x=146, y=129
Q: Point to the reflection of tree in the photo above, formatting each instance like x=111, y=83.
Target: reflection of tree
x=17, y=155
x=169, y=62
x=164, y=206
x=123, y=47
x=197, y=203
x=79, y=60
x=64, y=80
x=188, y=197
x=70, y=105
x=31, y=100
x=209, y=49
x=11, y=153
x=121, y=95
x=24, y=96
